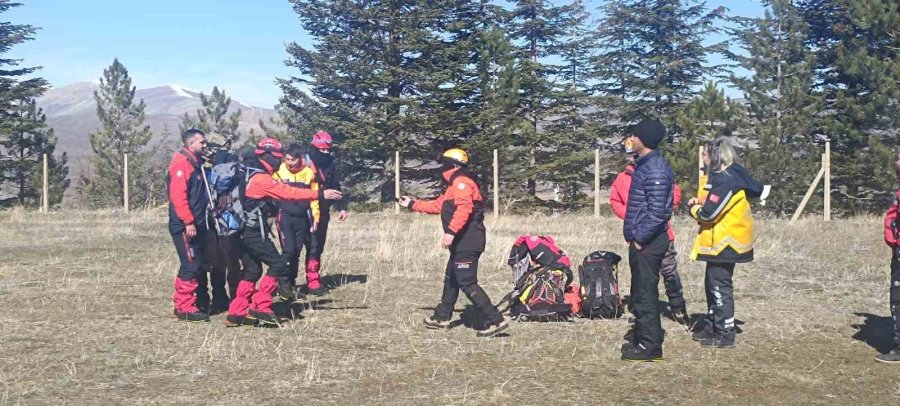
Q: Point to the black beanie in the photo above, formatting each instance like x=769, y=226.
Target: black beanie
x=650, y=132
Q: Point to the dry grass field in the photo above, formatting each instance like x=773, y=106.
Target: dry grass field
x=85, y=311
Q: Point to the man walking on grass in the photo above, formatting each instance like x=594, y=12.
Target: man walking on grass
x=646, y=223
x=188, y=204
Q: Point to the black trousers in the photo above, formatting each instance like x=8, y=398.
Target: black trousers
x=720, y=297
x=645, y=265
x=257, y=250
x=215, y=268
x=294, y=234
x=461, y=274
x=895, y=295
x=315, y=244
x=190, y=254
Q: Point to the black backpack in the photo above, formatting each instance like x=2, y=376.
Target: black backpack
x=600, y=286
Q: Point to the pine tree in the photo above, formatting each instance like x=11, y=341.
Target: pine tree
x=781, y=106
x=569, y=128
x=213, y=117
x=857, y=78
x=24, y=137
x=370, y=74
x=29, y=138
x=490, y=110
x=537, y=27
x=653, y=59
x=122, y=131
x=707, y=116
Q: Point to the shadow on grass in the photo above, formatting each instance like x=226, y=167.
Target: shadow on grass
x=468, y=317
x=876, y=331
x=330, y=282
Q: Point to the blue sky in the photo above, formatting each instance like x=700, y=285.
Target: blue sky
x=237, y=45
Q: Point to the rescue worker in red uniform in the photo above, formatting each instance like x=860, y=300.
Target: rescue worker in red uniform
x=461, y=207
x=251, y=305
x=188, y=205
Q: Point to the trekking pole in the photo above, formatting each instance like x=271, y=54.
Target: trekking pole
x=209, y=204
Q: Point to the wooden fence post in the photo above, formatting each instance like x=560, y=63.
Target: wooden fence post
x=826, y=163
x=496, y=185
x=45, y=190
x=397, y=181
x=125, y=177
x=597, y=183
x=809, y=192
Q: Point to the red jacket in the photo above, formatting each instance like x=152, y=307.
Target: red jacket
x=461, y=207
x=188, y=197
x=618, y=197
x=891, y=223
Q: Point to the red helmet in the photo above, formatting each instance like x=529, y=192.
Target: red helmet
x=270, y=145
x=322, y=140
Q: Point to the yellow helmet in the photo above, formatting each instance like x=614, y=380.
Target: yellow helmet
x=456, y=156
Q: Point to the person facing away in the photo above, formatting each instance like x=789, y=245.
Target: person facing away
x=461, y=208
x=725, y=238
x=645, y=228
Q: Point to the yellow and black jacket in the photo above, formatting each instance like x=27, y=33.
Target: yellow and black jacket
x=305, y=178
x=725, y=218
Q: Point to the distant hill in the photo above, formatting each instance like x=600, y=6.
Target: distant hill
x=72, y=113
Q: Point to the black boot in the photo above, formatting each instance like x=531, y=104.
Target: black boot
x=639, y=353
x=192, y=316
x=719, y=340
x=705, y=330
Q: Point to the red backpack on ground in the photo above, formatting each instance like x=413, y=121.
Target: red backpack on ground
x=543, y=277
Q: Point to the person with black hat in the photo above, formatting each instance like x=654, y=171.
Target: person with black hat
x=646, y=222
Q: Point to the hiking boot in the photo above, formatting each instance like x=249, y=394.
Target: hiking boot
x=892, y=357
x=238, y=321
x=197, y=316
x=494, y=329
x=203, y=304
x=219, y=305
x=704, y=333
x=265, y=318
x=639, y=353
x=285, y=290
x=717, y=341
x=436, y=324
x=321, y=290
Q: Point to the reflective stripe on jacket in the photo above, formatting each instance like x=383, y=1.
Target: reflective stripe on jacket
x=725, y=218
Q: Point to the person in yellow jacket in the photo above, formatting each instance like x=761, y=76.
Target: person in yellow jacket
x=297, y=219
x=725, y=238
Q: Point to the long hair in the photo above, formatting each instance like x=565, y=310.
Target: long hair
x=721, y=154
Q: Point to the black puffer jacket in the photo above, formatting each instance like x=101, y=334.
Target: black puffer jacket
x=649, y=200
